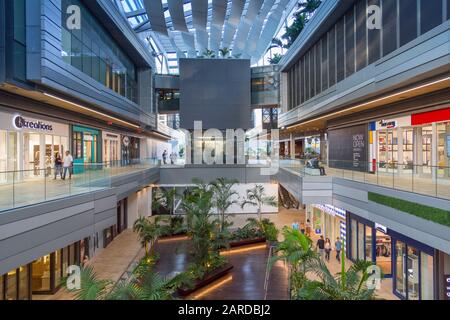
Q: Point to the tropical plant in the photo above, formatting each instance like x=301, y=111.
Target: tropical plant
x=223, y=198
x=148, y=233
x=301, y=18
x=209, y=54
x=275, y=59
x=145, y=284
x=349, y=284
x=204, y=229
x=224, y=52
x=297, y=250
x=165, y=198
x=265, y=227
x=256, y=197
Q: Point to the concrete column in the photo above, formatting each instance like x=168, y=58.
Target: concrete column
x=434, y=151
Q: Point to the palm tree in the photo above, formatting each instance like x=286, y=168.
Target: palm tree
x=222, y=197
x=166, y=198
x=275, y=59
x=144, y=285
x=256, y=197
x=265, y=227
x=297, y=250
x=148, y=233
x=208, y=54
x=224, y=52
x=346, y=285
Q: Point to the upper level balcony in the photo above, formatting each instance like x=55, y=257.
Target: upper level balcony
x=426, y=180
x=29, y=187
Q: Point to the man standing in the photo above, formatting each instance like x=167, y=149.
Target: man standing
x=164, y=156
x=338, y=246
x=68, y=165
x=321, y=246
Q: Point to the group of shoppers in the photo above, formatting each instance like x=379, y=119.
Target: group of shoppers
x=64, y=165
x=325, y=248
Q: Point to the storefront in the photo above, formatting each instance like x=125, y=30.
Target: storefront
x=130, y=149
x=29, y=145
x=418, y=143
x=86, y=146
x=330, y=222
x=43, y=276
x=408, y=262
x=111, y=148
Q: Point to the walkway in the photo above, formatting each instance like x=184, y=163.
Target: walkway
x=110, y=263
x=37, y=189
x=404, y=181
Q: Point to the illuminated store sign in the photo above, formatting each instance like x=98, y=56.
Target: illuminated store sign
x=334, y=211
x=388, y=124
x=21, y=123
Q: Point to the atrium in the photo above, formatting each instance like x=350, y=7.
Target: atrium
x=224, y=150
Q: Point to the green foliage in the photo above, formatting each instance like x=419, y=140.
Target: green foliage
x=148, y=233
x=256, y=197
x=223, y=198
x=165, y=198
x=145, y=284
x=347, y=285
x=419, y=210
x=275, y=59
x=203, y=228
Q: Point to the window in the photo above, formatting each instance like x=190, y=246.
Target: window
x=389, y=10
x=312, y=82
x=426, y=275
x=317, y=72
x=94, y=52
x=408, y=21
x=430, y=14
x=16, y=38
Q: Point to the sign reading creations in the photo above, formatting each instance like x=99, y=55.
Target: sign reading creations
x=20, y=123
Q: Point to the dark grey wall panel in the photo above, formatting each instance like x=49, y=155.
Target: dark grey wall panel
x=209, y=173
x=215, y=91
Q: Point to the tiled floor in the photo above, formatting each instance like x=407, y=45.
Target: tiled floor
x=108, y=264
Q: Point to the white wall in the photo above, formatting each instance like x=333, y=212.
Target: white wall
x=139, y=205
x=270, y=190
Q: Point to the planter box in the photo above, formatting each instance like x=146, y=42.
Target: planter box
x=209, y=278
x=173, y=236
x=245, y=242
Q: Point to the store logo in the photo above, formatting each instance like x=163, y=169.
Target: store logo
x=388, y=124
x=20, y=123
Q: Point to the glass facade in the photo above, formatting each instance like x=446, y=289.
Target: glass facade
x=92, y=50
x=349, y=45
x=15, y=285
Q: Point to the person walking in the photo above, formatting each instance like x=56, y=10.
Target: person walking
x=338, y=247
x=321, y=246
x=68, y=165
x=58, y=166
x=327, y=249
x=164, y=156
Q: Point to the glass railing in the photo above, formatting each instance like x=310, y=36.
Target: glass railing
x=27, y=187
x=423, y=179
